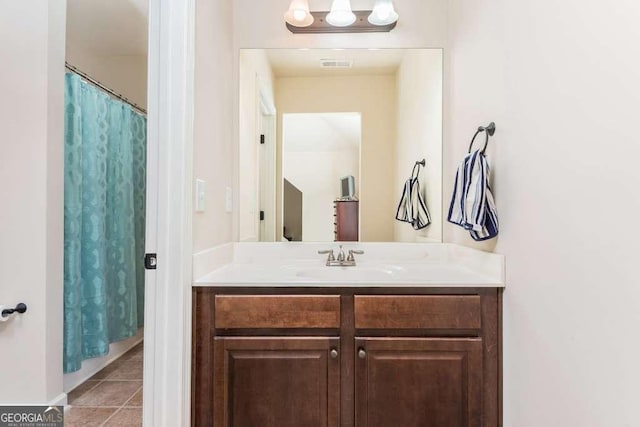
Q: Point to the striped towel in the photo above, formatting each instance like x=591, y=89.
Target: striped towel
x=472, y=205
x=412, y=208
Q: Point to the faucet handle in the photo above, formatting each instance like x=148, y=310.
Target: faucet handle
x=354, y=252
x=331, y=257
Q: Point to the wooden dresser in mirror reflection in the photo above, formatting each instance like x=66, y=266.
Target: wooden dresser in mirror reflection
x=345, y=222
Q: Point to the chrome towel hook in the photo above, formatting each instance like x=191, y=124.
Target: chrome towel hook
x=488, y=131
x=417, y=165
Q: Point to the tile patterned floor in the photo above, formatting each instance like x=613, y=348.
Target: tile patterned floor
x=112, y=397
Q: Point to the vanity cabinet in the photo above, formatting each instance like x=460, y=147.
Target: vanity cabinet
x=365, y=357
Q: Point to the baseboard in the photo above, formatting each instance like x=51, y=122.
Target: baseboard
x=60, y=400
x=90, y=367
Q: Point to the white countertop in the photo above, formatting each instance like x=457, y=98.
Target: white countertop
x=382, y=265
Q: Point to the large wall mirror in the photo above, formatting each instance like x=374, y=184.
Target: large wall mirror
x=329, y=145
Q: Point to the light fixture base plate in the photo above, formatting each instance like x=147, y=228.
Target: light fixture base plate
x=362, y=25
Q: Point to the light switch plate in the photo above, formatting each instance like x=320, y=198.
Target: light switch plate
x=200, y=195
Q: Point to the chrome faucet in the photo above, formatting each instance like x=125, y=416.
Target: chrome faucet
x=342, y=260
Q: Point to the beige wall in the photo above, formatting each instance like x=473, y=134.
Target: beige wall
x=560, y=79
x=31, y=185
x=375, y=98
x=419, y=112
x=214, y=121
x=254, y=72
x=124, y=74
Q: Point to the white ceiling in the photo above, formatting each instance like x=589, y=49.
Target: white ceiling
x=108, y=27
x=321, y=132
x=306, y=62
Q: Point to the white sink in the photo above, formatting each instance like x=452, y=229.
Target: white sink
x=295, y=264
x=356, y=273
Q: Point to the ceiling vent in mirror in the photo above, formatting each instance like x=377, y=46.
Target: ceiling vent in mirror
x=336, y=63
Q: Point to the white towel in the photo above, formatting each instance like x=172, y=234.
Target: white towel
x=472, y=205
x=412, y=208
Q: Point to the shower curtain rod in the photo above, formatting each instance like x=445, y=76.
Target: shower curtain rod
x=104, y=88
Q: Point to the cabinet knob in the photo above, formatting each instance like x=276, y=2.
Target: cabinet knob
x=362, y=354
x=333, y=353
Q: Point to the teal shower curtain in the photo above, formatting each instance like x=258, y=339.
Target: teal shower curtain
x=104, y=221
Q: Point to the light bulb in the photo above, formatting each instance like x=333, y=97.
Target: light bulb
x=341, y=14
x=383, y=13
x=298, y=14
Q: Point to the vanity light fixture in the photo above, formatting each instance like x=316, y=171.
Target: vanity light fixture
x=341, y=18
x=298, y=14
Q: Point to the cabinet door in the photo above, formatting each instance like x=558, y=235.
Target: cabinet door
x=418, y=382
x=277, y=382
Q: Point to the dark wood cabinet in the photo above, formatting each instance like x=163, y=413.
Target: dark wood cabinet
x=419, y=382
x=346, y=220
x=364, y=357
x=277, y=382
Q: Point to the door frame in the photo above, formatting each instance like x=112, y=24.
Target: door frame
x=267, y=163
x=167, y=334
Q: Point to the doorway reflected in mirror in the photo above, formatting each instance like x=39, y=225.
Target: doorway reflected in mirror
x=318, y=151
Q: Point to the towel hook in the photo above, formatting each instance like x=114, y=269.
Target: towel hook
x=417, y=165
x=488, y=131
